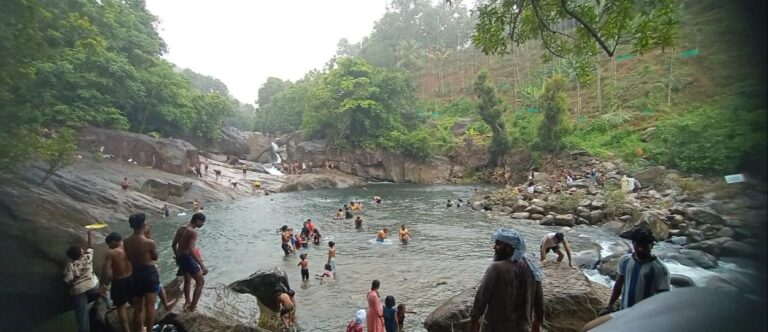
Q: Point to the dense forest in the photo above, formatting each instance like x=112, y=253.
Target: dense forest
x=619, y=79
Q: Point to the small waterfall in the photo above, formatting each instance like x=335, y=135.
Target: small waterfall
x=275, y=156
x=274, y=159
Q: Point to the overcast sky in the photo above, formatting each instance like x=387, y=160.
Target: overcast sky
x=242, y=42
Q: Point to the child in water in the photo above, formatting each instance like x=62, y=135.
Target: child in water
x=390, y=319
x=401, y=311
x=327, y=274
x=356, y=325
x=304, y=263
x=316, y=237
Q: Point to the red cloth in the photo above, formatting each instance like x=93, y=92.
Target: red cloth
x=375, y=314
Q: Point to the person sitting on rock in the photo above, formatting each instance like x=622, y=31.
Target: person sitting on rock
x=640, y=274
x=551, y=242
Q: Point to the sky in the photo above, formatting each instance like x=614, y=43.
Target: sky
x=242, y=42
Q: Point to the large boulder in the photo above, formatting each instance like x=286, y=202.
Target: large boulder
x=692, y=258
x=679, y=281
x=570, y=300
x=711, y=246
x=320, y=181
x=704, y=216
x=565, y=220
x=651, y=176
x=690, y=309
x=655, y=220
x=231, y=141
x=393, y=167
x=311, y=150
x=163, y=189
x=259, y=147
x=262, y=285
x=587, y=259
x=170, y=155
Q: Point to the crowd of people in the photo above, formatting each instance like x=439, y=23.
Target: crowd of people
x=308, y=166
x=130, y=275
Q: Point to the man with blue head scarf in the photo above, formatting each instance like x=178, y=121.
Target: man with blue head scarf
x=509, y=297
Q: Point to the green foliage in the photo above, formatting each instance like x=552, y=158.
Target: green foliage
x=56, y=151
x=205, y=83
x=489, y=111
x=615, y=202
x=567, y=28
x=553, y=103
x=568, y=202
x=355, y=104
x=708, y=141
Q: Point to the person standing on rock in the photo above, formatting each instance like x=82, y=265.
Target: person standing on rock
x=117, y=273
x=375, y=313
x=551, y=242
x=509, y=297
x=189, y=262
x=205, y=165
x=79, y=276
x=640, y=274
x=142, y=253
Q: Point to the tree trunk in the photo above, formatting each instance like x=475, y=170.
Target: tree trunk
x=671, y=77
x=599, y=89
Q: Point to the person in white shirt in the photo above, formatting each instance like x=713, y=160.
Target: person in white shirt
x=83, y=283
x=551, y=242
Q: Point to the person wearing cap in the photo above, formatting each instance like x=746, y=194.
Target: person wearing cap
x=509, y=297
x=640, y=274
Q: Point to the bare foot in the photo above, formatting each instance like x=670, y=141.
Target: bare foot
x=186, y=306
x=170, y=304
x=191, y=308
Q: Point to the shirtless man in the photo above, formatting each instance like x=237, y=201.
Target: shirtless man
x=117, y=271
x=285, y=238
x=190, y=263
x=551, y=242
x=382, y=234
x=285, y=306
x=404, y=234
x=205, y=165
x=195, y=206
x=359, y=222
x=142, y=253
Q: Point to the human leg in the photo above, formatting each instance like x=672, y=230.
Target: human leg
x=80, y=304
x=199, y=283
x=560, y=255
x=187, y=286
x=149, y=310
x=122, y=317
x=138, y=313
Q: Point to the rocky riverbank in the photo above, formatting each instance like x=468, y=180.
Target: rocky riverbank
x=40, y=221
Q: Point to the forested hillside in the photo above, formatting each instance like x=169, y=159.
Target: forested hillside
x=646, y=105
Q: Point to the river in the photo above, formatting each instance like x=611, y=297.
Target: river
x=449, y=252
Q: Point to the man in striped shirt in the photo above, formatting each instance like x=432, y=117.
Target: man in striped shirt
x=640, y=274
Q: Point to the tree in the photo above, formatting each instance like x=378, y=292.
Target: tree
x=489, y=110
x=553, y=103
x=56, y=151
x=575, y=27
x=271, y=88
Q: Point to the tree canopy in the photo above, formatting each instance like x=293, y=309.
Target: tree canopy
x=575, y=27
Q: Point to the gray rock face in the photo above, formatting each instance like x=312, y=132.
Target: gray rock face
x=392, y=167
x=170, y=155
x=705, y=216
x=232, y=142
x=164, y=189
x=320, y=181
x=259, y=146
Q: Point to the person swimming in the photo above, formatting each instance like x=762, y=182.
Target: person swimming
x=382, y=234
x=377, y=199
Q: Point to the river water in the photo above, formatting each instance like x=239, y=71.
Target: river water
x=449, y=252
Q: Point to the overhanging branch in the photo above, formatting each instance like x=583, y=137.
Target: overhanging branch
x=586, y=26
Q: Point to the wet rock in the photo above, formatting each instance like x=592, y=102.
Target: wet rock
x=502, y=208
x=520, y=205
x=570, y=300
x=533, y=209
x=711, y=247
x=565, y=220
x=655, y=220
x=704, y=216
x=694, y=235
x=692, y=258
x=262, y=285
x=320, y=181
x=477, y=205
x=536, y=217
x=721, y=283
x=547, y=221
x=538, y=202
x=614, y=227
x=582, y=211
x=587, y=259
x=737, y=249
x=581, y=221
x=676, y=220
x=678, y=240
x=520, y=215
x=679, y=281
x=595, y=217
x=597, y=204
x=609, y=265
x=725, y=232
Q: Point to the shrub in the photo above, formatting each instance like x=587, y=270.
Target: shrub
x=567, y=203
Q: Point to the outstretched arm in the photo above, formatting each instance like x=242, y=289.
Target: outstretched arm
x=568, y=252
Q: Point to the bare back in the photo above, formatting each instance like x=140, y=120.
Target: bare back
x=187, y=239
x=119, y=263
x=139, y=250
